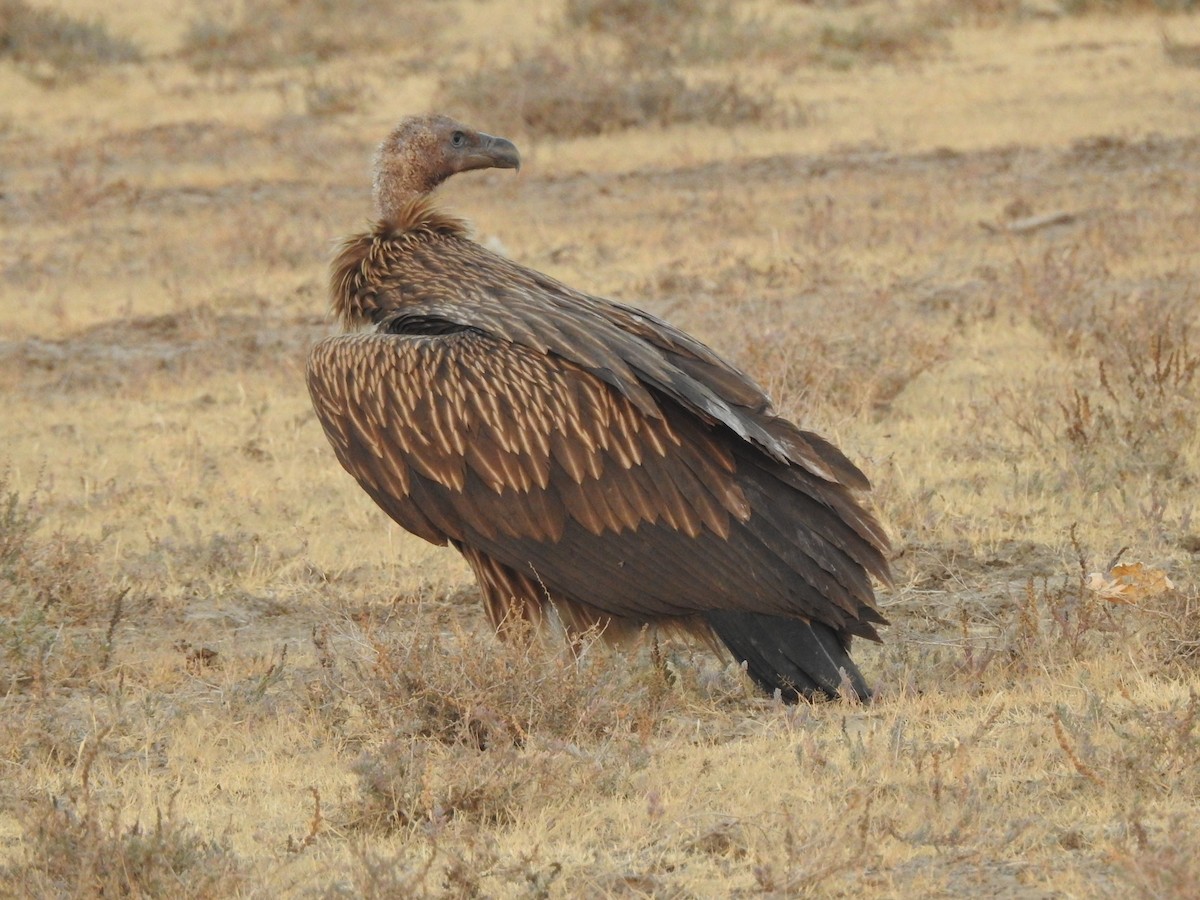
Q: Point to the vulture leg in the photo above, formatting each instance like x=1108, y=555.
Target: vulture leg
x=512, y=599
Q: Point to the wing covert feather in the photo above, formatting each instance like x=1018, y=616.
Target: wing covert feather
x=517, y=442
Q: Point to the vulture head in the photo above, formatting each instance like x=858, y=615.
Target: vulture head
x=423, y=151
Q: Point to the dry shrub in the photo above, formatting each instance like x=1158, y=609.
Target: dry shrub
x=982, y=12
x=465, y=711
x=261, y=35
x=473, y=689
x=190, y=557
x=815, y=369
x=1050, y=625
x=425, y=784
x=852, y=358
x=1056, y=622
x=469, y=866
x=18, y=521
x=1023, y=611
x=59, y=610
x=554, y=92
x=1142, y=402
x=1157, y=754
x=75, y=846
x=1069, y=293
x=187, y=560
x=809, y=857
x=1128, y=409
x=894, y=39
x=1141, y=754
x=63, y=576
x=682, y=31
x=1164, y=865
x=1083, y=7
x=1172, y=632
x=580, y=86
x=667, y=18
x=813, y=357
x=332, y=97
x=1118, y=414
x=82, y=180
x=50, y=46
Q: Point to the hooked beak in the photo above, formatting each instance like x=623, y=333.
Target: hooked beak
x=500, y=152
x=488, y=152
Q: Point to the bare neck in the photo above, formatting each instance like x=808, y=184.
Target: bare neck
x=400, y=181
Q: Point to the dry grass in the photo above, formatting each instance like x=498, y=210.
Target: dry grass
x=561, y=93
x=873, y=40
x=55, y=47
x=224, y=674
x=682, y=31
x=264, y=35
x=76, y=848
x=1080, y=7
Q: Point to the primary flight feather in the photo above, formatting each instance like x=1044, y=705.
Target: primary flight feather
x=581, y=454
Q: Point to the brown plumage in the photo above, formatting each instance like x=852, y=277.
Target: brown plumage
x=581, y=454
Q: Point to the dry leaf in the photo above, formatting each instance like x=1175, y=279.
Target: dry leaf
x=1129, y=583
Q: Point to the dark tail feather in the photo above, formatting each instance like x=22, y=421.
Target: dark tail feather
x=791, y=655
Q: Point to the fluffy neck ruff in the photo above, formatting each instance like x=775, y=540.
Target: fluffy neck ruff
x=359, y=290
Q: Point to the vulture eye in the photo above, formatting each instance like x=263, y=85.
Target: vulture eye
x=458, y=139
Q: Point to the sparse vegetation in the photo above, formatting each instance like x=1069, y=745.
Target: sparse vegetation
x=75, y=847
x=223, y=674
x=323, y=97
x=51, y=46
x=53, y=602
x=879, y=40
x=1118, y=417
x=568, y=95
x=1079, y=7
x=616, y=65
x=681, y=31
x=275, y=33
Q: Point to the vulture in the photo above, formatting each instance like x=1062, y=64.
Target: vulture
x=591, y=462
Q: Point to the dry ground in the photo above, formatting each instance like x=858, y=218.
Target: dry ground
x=958, y=238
